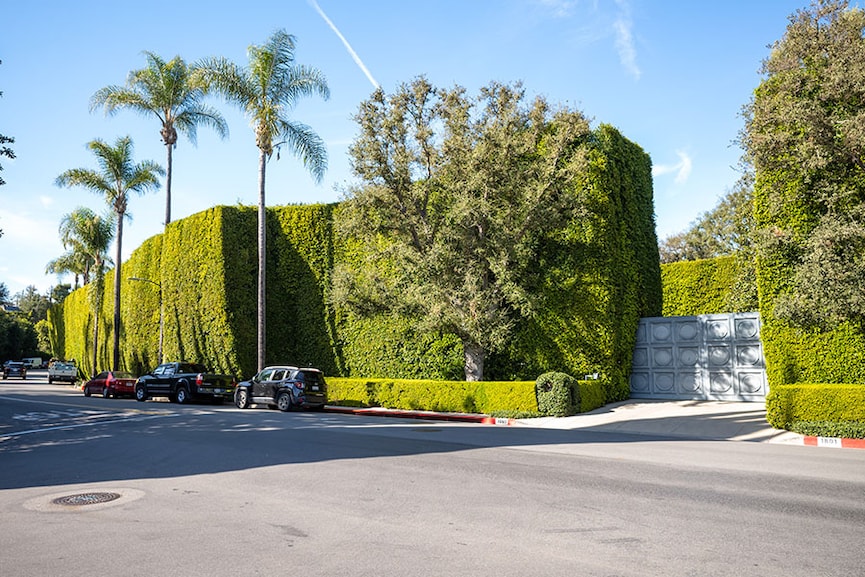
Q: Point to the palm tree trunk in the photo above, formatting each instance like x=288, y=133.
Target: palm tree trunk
x=117, y=263
x=168, y=186
x=262, y=267
x=95, y=341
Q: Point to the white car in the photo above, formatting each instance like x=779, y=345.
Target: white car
x=62, y=371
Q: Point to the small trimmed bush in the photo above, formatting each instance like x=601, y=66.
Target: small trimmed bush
x=558, y=395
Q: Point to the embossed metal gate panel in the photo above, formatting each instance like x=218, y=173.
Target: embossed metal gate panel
x=718, y=357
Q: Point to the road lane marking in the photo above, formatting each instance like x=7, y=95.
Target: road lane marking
x=123, y=419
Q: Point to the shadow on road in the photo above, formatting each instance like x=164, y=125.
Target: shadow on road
x=96, y=440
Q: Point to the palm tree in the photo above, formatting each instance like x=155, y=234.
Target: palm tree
x=86, y=236
x=117, y=177
x=171, y=91
x=266, y=90
x=69, y=262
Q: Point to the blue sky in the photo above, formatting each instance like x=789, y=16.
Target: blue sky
x=671, y=75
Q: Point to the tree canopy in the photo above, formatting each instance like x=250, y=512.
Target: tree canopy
x=805, y=135
x=117, y=177
x=5, y=151
x=87, y=237
x=174, y=93
x=724, y=230
x=456, y=193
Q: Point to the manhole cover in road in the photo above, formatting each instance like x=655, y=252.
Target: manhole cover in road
x=82, y=499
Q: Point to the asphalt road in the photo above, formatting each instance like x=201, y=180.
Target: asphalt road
x=212, y=490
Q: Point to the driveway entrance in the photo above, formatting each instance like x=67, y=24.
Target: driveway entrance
x=706, y=357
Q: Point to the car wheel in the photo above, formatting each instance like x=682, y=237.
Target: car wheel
x=182, y=396
x=50, y=380
x=140, y=393
x=86, y=392
x=283, y=401
x=106, y=393
x=241, y=399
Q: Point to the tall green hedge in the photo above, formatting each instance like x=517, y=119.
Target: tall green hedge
x=599, y=277
x=723, y=284
x=797, y=355
x=815, y=403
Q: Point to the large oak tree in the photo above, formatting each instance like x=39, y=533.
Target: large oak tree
x=805, y=135
x=455, y=193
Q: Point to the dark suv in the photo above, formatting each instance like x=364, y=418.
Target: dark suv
x=284, y=387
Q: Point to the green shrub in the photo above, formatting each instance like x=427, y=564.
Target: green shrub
x=592, y=395
x=788, y=404
x=483, y=397
x=558, y=395
x=709, y=286
x=846, y=429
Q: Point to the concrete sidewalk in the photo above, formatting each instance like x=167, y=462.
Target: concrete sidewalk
x=712, y=420
x=717, y=420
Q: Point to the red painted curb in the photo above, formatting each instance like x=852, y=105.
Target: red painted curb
x=422, y=415
x=834, y=442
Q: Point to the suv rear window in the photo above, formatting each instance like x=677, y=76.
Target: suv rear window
x=310, y=377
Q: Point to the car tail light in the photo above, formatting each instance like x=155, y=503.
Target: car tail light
x=199, y=379
x=298, y=385
x=109, y=380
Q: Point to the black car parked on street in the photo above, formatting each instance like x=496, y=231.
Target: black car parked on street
x=284, y=387
x=14, y=369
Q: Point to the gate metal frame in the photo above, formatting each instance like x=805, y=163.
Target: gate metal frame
x=706, y=357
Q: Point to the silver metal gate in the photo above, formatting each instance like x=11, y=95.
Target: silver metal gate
x=718, y=357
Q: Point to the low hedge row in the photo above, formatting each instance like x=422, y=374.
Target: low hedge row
x=818, y=409
x=499, y=398
x=427, y=395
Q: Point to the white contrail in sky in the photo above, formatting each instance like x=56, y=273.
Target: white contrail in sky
x=348, y=47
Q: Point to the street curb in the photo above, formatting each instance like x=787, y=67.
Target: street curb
x=422, y=415
x=834, y=442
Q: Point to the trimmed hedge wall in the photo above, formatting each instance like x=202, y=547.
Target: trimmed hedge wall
x=790, y=405
x=449, y=396
x=600, y=276
x=698, y=287
x=486, y=397
x=795, y=355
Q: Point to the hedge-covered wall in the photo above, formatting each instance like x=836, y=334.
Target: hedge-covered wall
x=725, y=284
x=600, y=276
x=797, y=355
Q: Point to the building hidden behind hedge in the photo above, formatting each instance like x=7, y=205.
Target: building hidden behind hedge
x=600, y=276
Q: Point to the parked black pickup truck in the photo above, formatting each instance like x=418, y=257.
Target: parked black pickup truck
x=184, y=382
